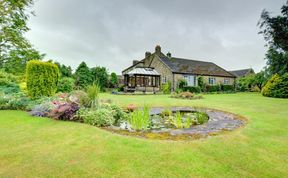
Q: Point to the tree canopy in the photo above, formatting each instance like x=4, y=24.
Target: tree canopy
x=15, y=49
x=275, y=32
x=83, y=76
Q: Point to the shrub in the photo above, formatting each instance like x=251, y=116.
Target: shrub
x=186, y=95
x=182, y=84
x=166, y=88
x=42, y=110
x=213, y=88
x=10, y=88
x=17, y=101
x=201, y=83
x=101, y=117
x=42, y=78
x=8, y=83
x=81, y=97
x=140, y=119
x=64, y=111
x=117, y=112
x=121, y=88
x=276, y=87
x=66, y=84
x=92, y=93
x=192, y=89
x=227, y=88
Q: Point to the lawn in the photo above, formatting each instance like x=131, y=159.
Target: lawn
x=41, y=147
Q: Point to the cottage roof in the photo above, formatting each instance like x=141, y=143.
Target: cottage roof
x=143, y=71
x=242, y=73
x=179, y=65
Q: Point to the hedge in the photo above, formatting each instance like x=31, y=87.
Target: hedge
x=192, y=89
x=42, y=78
x=276, y=87
x=227, y=88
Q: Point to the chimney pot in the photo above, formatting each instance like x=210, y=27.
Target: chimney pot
x=168, y=54
x=158, y=49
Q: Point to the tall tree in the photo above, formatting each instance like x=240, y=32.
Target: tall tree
x=15, y=49
x=100, y=75
x=66, y=71
x=113, y=80
x=275, y=32
x=83, y=76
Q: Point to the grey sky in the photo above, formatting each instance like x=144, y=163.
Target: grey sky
x=115, y=32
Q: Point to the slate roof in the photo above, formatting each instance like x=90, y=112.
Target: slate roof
x=179, y=65
x=242, y=73
x=143, y=71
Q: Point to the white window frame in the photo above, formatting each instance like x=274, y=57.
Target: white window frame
x=213, y=79
x=187, y=78
x=226, y=81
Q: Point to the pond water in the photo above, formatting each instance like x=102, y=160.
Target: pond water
x=219, y=121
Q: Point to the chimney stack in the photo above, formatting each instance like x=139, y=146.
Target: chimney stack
x=147, y=54
x=158, y=50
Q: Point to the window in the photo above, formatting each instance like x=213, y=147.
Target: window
x=164, y=80
x=226, y=81
x=212, y=81
x=190, y=79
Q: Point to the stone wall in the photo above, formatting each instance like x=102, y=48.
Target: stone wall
x=161, y=68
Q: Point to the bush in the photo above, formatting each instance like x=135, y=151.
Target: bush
x=166, y=88
x=121, y=88
x=42, y=110
x=10, y=88
x=66, y=84
x=101, y=117
x=192, y=89
x=213, y=88
x=18, y=101
x=42, y=78
x=201, y=83
x=116, y=111
x=64, y=111
x=8, y=83
x=227, y=88
x=276, y=87
x=81, y=97
x=182, y=84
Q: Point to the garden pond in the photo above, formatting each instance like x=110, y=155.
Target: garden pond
x=182, y=123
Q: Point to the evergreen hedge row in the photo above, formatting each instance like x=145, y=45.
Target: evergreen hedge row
x=42, y=78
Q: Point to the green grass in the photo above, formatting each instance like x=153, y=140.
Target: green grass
x=41, y=147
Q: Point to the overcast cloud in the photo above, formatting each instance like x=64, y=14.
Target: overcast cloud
x=113, y=33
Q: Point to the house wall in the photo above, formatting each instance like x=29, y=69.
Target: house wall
x=219, y=80
x=164, y=71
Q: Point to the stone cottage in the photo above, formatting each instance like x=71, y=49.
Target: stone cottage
x=157, y=68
